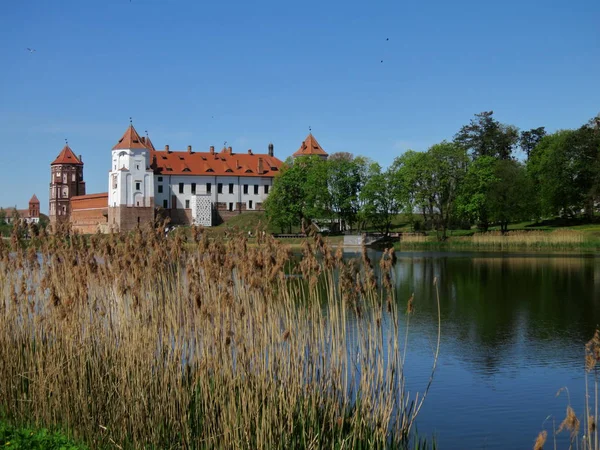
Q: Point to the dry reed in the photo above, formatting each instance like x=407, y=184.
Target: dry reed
x=143, y=341
x=558, y=238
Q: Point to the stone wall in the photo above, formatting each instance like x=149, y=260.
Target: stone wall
x=126, y=218
x=180, y=216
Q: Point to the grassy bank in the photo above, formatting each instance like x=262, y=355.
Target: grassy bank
x=139, y=341
x=558, y=239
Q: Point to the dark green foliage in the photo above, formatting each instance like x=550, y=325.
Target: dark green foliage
x=485, y=136
x=565, y=168
x=528, y=140
x=34, y=439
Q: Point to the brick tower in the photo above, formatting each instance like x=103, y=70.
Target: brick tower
x=34, y=209
x=66, y=181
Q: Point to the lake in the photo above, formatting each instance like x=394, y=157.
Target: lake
x=514, y=326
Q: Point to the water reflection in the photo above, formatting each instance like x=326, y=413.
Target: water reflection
x=513, y=328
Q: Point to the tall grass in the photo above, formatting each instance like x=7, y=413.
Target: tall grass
x=512, y=240
x=558, y=238
x=142, y=341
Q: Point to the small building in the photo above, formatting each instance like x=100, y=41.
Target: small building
x=30, y=215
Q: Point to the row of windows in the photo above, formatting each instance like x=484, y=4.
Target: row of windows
x=219, y=188
x=187, y=205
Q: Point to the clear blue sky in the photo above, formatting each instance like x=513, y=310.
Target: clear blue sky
x=245, y=72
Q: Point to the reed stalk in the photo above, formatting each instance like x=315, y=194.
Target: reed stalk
x=141, y=341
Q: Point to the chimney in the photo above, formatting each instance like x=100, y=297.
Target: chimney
x=190, y=149
x=270, y=149
x=230, y=150
x=80, y=158
x=237, y=163
x=167, y=148
x=212, y=149
x=260, y=166
x=249, y=151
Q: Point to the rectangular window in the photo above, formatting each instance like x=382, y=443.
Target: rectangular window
x=165, y=204
x=245, y=189
x=231, y=207
x=138, y=185
x=231, y=188
x=208, y=188
x=181, y=188
x=159, y=178
x=193, y=188
x=256, y=189
x=137, y=166
x=187, y=204
x=220, y=188
x=266, y=188
x=160, y=188
x=250, y=204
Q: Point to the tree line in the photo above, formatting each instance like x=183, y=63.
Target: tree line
x=489, y=174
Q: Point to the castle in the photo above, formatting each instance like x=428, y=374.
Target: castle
x=189, y=187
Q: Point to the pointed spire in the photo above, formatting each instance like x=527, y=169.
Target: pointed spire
x=34, y=199
x=310, y=146
x=131, y=139
x=66, y=156
x=148, y=142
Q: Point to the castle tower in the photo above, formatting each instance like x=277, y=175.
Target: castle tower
x=66, y=181
x=34, y=209
x=130, y=183
x=310, y=147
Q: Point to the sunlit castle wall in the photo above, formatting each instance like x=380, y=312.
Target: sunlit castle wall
x=131, y=179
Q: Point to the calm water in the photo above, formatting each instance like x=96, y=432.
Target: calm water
x=514, y=327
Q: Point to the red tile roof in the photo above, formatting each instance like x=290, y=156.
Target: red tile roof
x=131, y=139
x=223, y=163
x=10, y=212
x=90, y=201
x=310, y=146
x=148, y=143
x=66, y=156
x=34, y=199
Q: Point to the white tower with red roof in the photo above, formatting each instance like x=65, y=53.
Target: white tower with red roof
x=130, y=182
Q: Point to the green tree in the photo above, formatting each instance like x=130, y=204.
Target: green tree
x=410, y=171
x=485, y=136
x=448, y=166
x=345, y=178
x=565, y=167
x=2, y=216
x=283, y=207
x=431, y=180
x=472, y=201
x=381, y=197
x=300, y=192
x=510, y=195
x=529, y=139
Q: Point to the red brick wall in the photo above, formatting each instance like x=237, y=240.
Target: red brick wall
x=89, y=221
x=126, y=218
